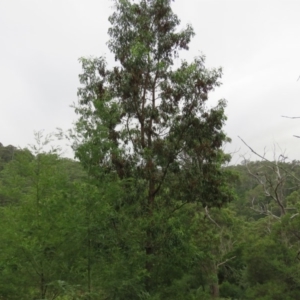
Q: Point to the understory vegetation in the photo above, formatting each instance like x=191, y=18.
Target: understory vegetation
x=65, y=235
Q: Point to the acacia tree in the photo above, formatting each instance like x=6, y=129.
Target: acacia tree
x=145, y=123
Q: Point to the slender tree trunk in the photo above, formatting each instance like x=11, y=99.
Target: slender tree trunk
x=214, y=290
x=149, y=253
x=89, y=265
x=214, y=285
x=149, y=243
x=88, y=248
x=43, y=287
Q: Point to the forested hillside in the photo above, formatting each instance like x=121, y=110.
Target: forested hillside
x=65, y=236
x=149, y=208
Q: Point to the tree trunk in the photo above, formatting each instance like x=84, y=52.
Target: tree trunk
x=43, y=287
x=214, y=290
x=214, y=285
x=149, y=243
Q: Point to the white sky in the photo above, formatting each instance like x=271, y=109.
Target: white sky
x=255, y=41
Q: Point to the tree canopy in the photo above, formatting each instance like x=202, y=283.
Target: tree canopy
x=145, y=124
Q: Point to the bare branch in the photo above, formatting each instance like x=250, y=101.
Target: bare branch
x=225, y=261
x=265, y=159
x=267, y=213
x=290, y=117
x=294, y=215
x=271, y=188
x=297, y=136
x=208, y=215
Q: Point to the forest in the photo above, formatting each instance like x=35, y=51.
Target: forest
x=150, y=207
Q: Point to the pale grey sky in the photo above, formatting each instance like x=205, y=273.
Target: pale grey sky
x=255, y=41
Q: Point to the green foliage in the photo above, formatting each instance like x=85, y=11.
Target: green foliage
x=145, y=126
x=68, y=236
x=270, y=244
x=150, y=210
x=39, y=225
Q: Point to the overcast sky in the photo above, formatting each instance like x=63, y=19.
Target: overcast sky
x=255, y=42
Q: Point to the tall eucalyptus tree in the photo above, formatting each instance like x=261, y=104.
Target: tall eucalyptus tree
x=145, y=123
